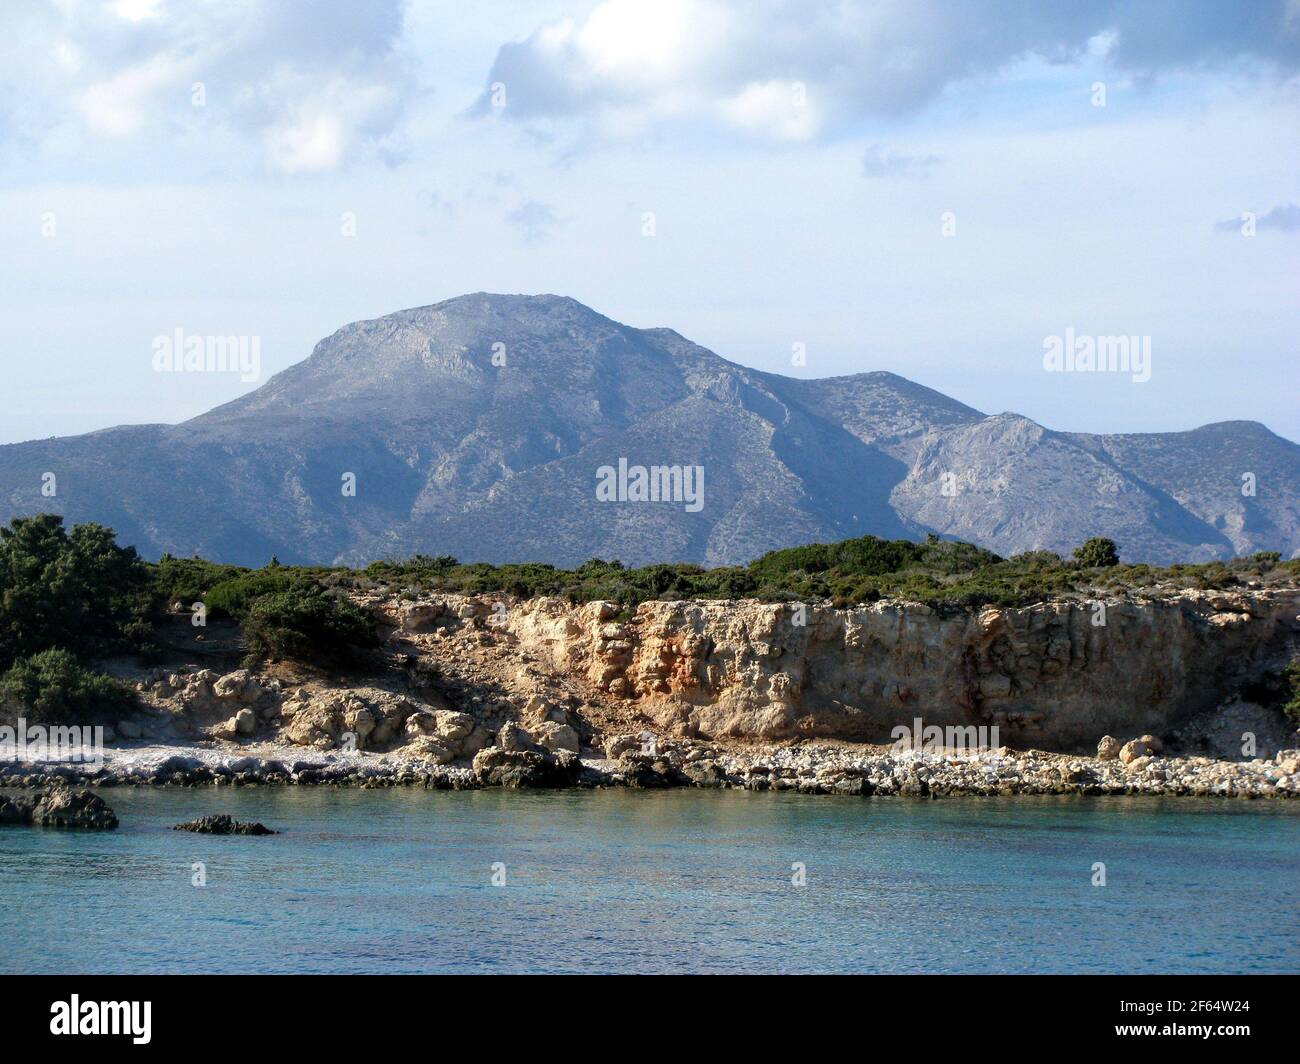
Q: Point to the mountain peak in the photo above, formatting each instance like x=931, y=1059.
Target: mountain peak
x=475, y=426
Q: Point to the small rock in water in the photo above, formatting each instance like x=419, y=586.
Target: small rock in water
x=61, y=806
x=223, y=824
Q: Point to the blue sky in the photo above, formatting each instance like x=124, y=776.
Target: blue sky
x=799, y=160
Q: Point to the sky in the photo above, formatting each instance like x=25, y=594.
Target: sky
x=930, y=187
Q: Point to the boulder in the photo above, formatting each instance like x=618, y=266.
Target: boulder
x=617, y=745
x=540, y=709
x=1108, y=748
x=1153, y=744
x=239, y=686
x=359, y=722
x=1132, y=750
x=315, y=725
x=649, y=771
x=129, y=729
x=557, y=737
x=513, y=738
x=420, y=616
x=245, y=722
x=448, y=724
x=390, y=716
x=526, y=768
x=430, y=749
x=226, y=729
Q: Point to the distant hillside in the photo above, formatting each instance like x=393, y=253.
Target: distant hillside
x=456, y=453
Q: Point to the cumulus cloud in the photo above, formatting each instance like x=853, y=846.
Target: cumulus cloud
x=787, y=70
x=312, y=84
x=1281, y=219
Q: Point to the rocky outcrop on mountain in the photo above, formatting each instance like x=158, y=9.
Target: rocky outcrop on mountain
x=476, y=427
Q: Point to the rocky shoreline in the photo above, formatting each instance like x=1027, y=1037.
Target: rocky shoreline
x=467, y=692
x=631, y=761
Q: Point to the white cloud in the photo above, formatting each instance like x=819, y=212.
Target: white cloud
x=631, y=63
x=135, y=10
x=313, y=84
x=644, y=44
x=119, y=105
x=324, y=122
x=780, y=110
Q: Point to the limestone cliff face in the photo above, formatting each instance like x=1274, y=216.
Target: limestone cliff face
x=1056, y=675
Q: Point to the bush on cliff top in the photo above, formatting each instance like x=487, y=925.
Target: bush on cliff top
x=51, y=687
x=237, y=596
x=941, y=573
x=1097, y=553
x=307, y=624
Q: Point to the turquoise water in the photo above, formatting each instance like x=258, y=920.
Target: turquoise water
x=401, y=881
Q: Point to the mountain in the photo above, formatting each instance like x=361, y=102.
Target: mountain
x=479, y=426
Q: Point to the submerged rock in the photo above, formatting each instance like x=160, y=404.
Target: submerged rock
x=223, y=824
x=62, y=806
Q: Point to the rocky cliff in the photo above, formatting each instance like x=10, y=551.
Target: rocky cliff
x=476, y=691
x=1056, y=675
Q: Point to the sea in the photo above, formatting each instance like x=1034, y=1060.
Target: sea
x=407, y=880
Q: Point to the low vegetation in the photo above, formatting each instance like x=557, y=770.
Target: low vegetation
x=940, y=573
x=54, y=687
x=307, y=624
x=70, y=598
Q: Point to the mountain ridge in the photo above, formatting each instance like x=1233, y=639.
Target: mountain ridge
x=474, y=427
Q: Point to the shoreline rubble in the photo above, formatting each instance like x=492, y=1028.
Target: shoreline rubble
x=802, y=767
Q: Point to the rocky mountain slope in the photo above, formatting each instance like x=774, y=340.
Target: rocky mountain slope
x=476, y=427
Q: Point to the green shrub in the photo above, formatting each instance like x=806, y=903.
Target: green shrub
x=235, y=597
x=307, y=623
x=52, y=687
x=1097, y=553
x=77, y=590
x=188, y=580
